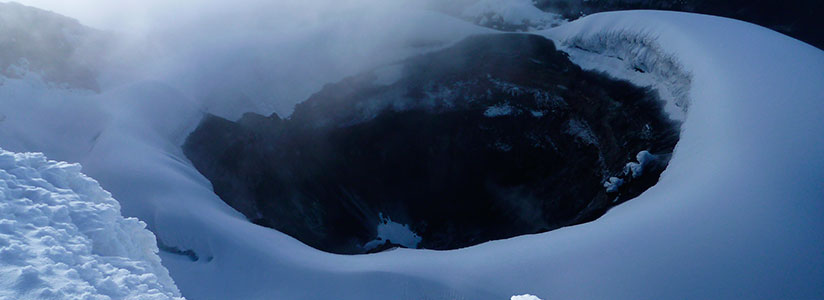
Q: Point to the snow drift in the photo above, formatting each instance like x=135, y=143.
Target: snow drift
x=62, y=237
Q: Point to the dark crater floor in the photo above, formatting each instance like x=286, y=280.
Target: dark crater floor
x=494, y=137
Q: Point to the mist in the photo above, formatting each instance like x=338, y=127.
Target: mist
x=254, y=55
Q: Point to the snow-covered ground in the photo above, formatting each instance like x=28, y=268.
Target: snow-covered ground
x=62, y=237
x=737, y=214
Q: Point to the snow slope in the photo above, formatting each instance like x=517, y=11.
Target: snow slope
x=738, y=213
x=62, y=237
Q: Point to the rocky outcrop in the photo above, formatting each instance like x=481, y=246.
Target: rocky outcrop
x=497, y=136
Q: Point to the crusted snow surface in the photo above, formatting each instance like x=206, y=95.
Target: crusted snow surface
x=62, y=237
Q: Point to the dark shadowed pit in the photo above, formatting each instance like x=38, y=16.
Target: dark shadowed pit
x=495, y=137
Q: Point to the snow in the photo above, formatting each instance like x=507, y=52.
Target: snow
x=731, y=217
x=394, y=232
x=613, y=184
x=634, y=56
x=62, y=237
x=637, y=168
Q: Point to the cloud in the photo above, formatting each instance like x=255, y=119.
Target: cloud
x=256, y=55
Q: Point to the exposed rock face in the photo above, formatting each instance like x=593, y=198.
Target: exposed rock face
x=497, y=136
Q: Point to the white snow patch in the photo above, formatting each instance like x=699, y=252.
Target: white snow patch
x=394, y=232
x=613, y=184
x=637, y=168
x=62, y=237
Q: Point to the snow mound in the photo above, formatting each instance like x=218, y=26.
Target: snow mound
x=62, y=237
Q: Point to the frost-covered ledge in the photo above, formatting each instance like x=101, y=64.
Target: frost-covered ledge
x=62, y=237
x=635, y=56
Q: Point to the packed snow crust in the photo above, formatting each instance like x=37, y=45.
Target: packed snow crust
x=62, y=237
x=730, y=218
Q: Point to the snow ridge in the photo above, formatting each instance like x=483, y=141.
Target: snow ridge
x=635, y=56
x=62, y=237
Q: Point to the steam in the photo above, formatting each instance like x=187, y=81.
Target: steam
x=254, y=55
